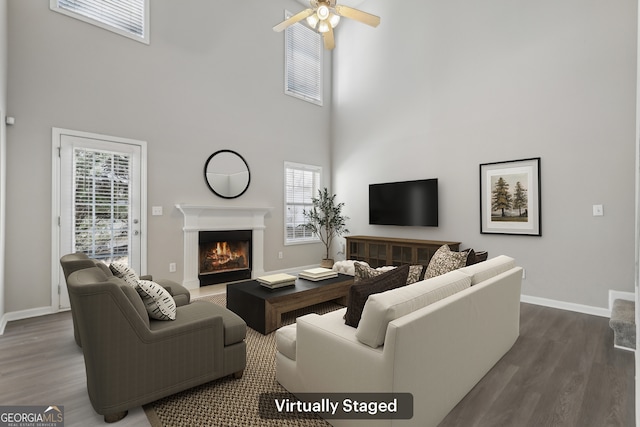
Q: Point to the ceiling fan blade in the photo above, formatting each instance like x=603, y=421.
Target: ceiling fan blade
x=358, y=15
x=329, y=41
x=295, y=18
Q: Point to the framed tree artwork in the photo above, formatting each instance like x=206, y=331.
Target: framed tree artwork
x=510, y=197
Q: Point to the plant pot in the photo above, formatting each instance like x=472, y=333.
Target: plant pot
x=326, y=263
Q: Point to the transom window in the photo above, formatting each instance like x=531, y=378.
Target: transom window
x=301, y=185
x=129, y=18
x=303, y=62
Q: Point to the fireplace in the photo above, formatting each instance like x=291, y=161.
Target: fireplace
x=221, y=218
x=224, y=256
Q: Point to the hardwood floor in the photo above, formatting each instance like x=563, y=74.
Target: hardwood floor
x=562, y=371
x=40, y=364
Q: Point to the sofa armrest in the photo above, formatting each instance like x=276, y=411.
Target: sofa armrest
x=331, y=359
x=176, y=290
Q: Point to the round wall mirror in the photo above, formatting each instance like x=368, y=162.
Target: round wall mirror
x=227, y=174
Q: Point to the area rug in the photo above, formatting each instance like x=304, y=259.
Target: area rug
x=229, y=402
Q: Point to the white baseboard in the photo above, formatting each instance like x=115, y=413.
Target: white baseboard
x=24, y=314
x=563, y=305
x=624, y=348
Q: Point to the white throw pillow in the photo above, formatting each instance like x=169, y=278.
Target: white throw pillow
x=380, y=309
x=125, y=273
x=346, y=267
x=157, y=300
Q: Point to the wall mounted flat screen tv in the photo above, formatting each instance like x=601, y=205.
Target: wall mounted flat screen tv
x=409, y=203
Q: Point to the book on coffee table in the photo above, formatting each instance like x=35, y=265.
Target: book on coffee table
x=277, y=280
x=319, y=273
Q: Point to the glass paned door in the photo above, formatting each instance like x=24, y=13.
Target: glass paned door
x=100, y=201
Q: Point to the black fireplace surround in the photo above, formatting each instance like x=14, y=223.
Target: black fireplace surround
x=224, y=256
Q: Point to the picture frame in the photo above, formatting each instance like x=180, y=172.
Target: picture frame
x=510, y=197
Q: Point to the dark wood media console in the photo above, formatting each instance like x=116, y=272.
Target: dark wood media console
x=380, y=251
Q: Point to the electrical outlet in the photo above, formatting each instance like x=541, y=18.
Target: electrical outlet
x=280, y=256
x=156, y=210
x=172, y=267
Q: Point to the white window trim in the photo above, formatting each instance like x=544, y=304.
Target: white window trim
x=313, y=168
x=53, y=5
x=289, y=91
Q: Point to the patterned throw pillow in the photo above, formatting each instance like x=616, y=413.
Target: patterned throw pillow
x=444, y=261
x=125, y=273
x=158, y=302
x=363, y=271
x=415, y=274
x=359, y=292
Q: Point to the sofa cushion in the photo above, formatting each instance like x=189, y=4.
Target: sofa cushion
x=383, y=308
x=158, y=302
x=444, y=261
x=359, y=292
x=125, y=273
x=286, y=341
x=487, y=269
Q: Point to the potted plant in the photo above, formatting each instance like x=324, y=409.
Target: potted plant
x=326, y=221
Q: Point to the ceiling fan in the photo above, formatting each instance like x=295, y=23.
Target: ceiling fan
x=324, y=15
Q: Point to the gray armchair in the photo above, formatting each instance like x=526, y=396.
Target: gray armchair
x=79, y=261
x=132, y=360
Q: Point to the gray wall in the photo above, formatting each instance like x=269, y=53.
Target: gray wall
x=212, y=78
x=437, y=89
x=440, y=87
x=3, y=144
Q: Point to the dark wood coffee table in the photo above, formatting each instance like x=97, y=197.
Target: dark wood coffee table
x=262, y=308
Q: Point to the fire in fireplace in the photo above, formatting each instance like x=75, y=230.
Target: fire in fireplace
x=224, y=256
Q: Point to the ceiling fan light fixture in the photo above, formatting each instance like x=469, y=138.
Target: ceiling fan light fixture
x=324, y=26
x=322, y=12
x=313, y=20
x=333, y=20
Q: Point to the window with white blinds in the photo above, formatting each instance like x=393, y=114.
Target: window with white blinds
x=303, y=63
x=129, y=18
x=302, y=183
x=101, y=204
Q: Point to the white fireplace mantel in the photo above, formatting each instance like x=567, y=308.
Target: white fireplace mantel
x=218, y=218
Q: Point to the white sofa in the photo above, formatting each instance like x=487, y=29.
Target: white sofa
x=437, y=351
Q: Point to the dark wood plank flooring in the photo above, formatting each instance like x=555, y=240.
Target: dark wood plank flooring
x=40, y=364
x=562, y=371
